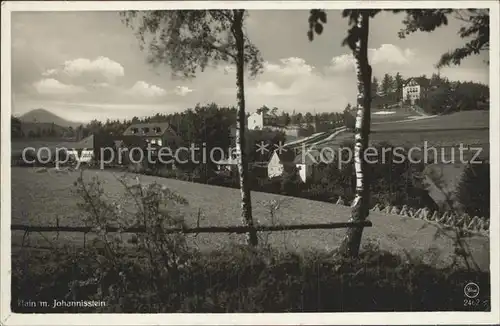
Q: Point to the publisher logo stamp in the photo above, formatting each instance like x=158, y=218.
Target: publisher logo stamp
x=471, y=290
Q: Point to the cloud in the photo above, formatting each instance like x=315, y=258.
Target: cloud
x=292, y=66
x=386, y=54
x=293, y=84
x=50, y=86
x=100, y=85
x=143, y=89
x=182, y=90
x=50, y=72
x=343, y=62
x=268, y=88
x=106, y=67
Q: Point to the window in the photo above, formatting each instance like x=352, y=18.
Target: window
x=145, y=130
x=135, y=130
x=157, y=130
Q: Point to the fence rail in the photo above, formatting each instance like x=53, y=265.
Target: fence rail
x=208, y=229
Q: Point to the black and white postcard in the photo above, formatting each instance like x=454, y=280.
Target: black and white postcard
x=249, y=162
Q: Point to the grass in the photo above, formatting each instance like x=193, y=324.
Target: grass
x=467, y=127
x=458, y=120
x=41, y=198
x=398, y=115
x=433, y=138
x=18, y=145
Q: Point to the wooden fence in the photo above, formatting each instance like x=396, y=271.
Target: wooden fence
x=475, y=224
x=207, y=229
x=196, y=230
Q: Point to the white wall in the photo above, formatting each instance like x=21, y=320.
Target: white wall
x=255, y=121
x=305, y=171
x=85, y=156
x=274, y=168
x=412, y=89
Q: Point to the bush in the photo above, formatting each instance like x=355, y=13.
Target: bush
x=391, y=183
x=473, y=191
x=291, y=184
x=349, y=120
x=243, y=279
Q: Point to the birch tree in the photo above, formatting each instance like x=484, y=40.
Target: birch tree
x=426, y=20
x=357, y=40
x=188, y=41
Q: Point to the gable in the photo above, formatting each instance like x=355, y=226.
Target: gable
x=275, y=160
x=86, y=142
x=411, y=83
x=417, y=81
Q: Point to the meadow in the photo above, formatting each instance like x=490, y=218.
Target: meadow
x=459, y=120
x=18, y=145
x=470, y=128
x=43, y=198
x=379, y=116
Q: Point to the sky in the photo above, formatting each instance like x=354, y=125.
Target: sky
x=88, y=65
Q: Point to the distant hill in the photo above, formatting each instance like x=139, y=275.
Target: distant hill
x=44, y=116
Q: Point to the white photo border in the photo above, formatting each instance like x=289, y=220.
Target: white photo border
x=7, y=317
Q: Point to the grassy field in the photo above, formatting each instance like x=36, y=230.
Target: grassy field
x=18, y=145
x=41, y=198
x=397, y=115
x=458, y=120
x=425, y=139
x=433, y=138
x=469, y=128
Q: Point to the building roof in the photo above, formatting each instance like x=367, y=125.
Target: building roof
x=285, y=156
x=87, y=142
x=422, y=81
x=97, y=140
x=152, y=129
x=131, y=141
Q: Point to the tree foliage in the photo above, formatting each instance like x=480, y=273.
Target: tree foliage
x=473, y=191
x=188, y=40
x=387, y=84
x=477, y=29
x=15, y=126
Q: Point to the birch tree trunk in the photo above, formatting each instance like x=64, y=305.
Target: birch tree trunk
x=359, y=207
x=246, y=202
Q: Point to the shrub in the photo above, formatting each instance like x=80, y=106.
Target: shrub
x=349, y=120
x=291, y=184
x=245, y=279
x=473, y=191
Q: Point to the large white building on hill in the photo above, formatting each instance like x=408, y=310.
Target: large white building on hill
x=415, y=89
